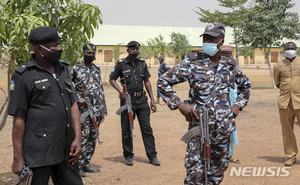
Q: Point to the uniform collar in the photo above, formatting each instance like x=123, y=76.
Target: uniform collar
x=127, y=59
x=32, y=62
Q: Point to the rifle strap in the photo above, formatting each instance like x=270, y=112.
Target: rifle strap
x=87, y=89
x=216, y=84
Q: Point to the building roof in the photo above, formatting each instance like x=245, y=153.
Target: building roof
x=111, y=35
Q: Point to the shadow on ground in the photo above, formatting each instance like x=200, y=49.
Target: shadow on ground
x=280, y=160
x=121, y=159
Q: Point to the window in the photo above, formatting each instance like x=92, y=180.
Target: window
x=99, y=50
x=245, y=57
x=251, y=57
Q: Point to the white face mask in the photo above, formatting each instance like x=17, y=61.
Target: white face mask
x=290, y=54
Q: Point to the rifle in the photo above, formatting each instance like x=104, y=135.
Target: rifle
x=205, y=141
x=127, y=106
x=91, y=114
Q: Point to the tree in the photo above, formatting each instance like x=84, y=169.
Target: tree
x=231, y=19
x=246, y=51
x=75, y=20
x=116, y=53
x=158, y=45
x=179, y=45
x=266, y=23
x=146, y=53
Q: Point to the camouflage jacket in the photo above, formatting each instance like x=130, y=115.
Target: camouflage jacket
x=80, y=75
x=199, y=73
x=163, y=67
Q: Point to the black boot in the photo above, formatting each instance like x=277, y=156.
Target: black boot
x=89, y=169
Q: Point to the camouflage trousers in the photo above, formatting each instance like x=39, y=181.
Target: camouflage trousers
x=218, y=164
x=88, y=142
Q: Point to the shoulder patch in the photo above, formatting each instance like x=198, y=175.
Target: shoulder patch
x=197, y=56
x=64, y=62
x=21, y=69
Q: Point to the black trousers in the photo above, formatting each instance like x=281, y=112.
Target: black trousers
x=62, y=174
x=141, y=110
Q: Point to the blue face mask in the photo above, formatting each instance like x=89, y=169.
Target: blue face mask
x=158, y=61
x=211, y=48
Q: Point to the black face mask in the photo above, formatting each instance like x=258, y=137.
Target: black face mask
x=89, y=58
x=134, y=53
x=53, y=56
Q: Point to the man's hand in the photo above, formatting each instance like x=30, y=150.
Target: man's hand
x=17, y=165
x=235, y=109
x=122, y=96
x=75, y=151
x=153, y=106
x=101, y=120
x=188, y=111
x=82, y=102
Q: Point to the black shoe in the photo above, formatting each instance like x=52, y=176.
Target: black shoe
x=82, y=174
x=155, y=161
x=89, y=169
x=129, y=161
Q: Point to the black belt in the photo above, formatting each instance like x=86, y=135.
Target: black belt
x=136, y=94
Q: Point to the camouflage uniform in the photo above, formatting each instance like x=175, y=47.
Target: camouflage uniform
x=201, y=77
x=163, y=67
x=95, y=93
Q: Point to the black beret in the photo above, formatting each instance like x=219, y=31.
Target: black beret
x=85, y=47
x=133, y=44
x=44, y=35
x=214, y=30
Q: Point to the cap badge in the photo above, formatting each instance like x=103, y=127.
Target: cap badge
x=210, y=26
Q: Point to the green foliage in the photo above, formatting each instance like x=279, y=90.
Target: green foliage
x=158, y=45
x=146, y=52
x=267, y=22
x=179, y=45
x=246, y=51
x=230, y=18
x=116, y=53
x=75, y=20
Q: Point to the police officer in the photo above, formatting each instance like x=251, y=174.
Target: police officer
x=87, y=77
x=286, y=76
x=206, y=72
x=133, y=72
x=46, y=125
x=163, y=67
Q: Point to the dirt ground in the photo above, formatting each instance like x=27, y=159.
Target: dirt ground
x=259, y=132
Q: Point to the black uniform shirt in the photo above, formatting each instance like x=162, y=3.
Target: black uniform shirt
x=46, y=104
x=134, y=76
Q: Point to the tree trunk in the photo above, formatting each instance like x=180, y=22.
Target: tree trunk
x=236, y=48
x=270, y=67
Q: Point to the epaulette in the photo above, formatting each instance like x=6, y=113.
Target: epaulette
x=121, y=60
x=64, y=62
x=229, y=60
x=21, y=68
x=197, y=56
x=141, y=59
